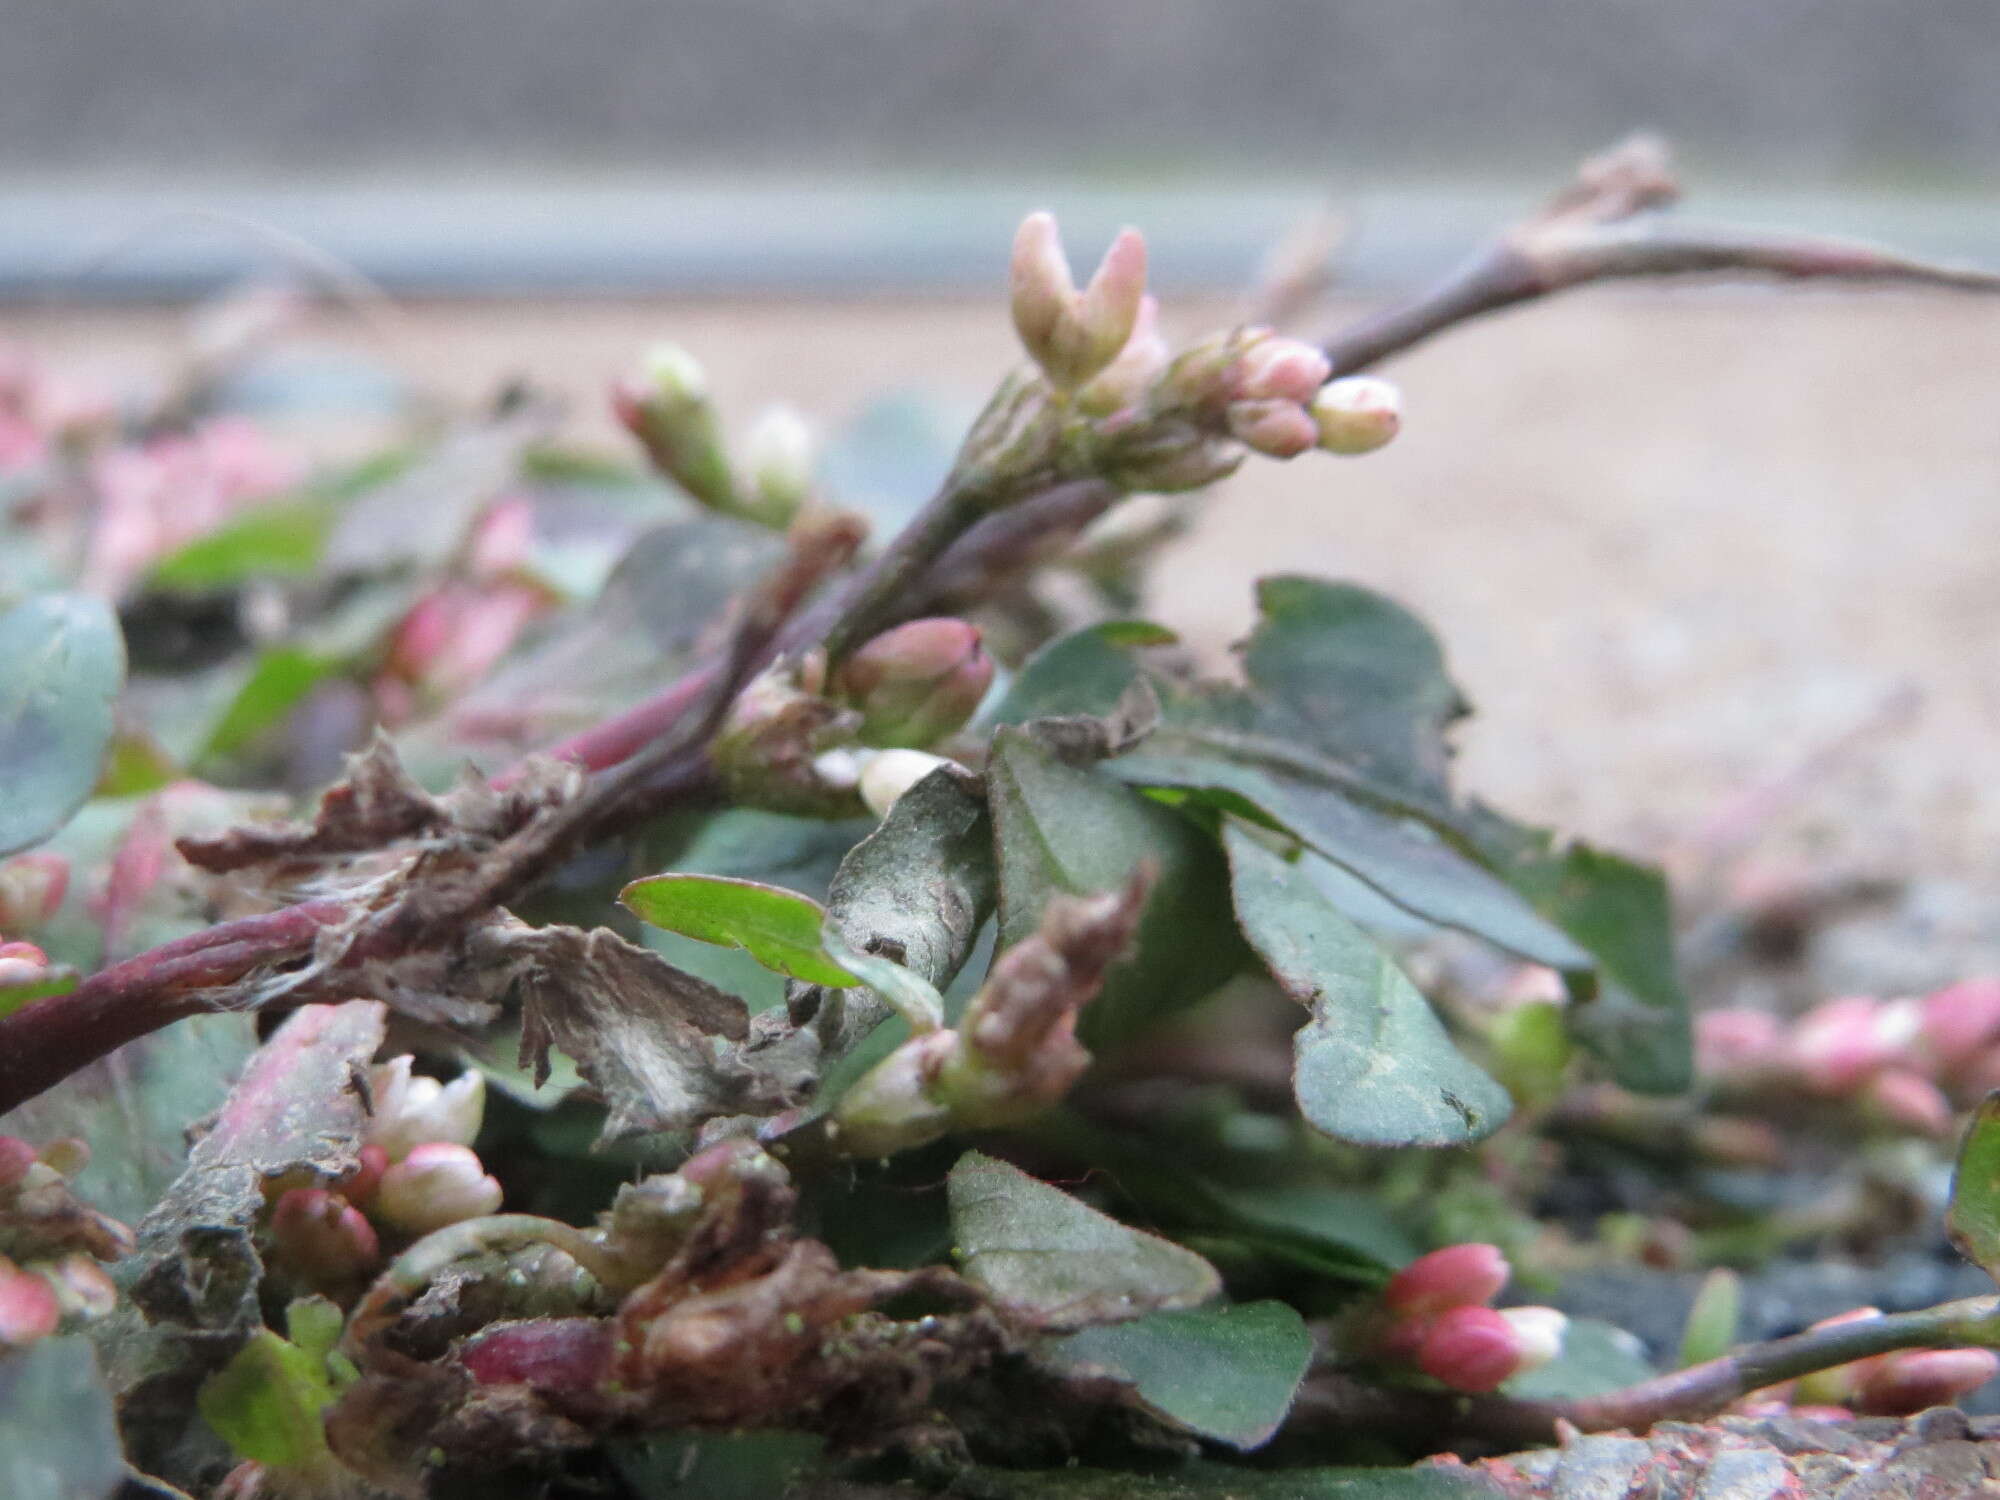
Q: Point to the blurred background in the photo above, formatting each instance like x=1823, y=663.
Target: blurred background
x=1720, y=566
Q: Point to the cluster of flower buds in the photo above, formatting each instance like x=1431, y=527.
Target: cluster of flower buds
x=1436, y=1315
x=417, y=1174
x=666, y=405
x=1171, y=424
x=1910, y=1061
x=162, y=495
x=1014, y=1051
x=1898, y=1384
x=50, y=1272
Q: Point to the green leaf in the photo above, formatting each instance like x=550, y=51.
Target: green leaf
x=1713, y=1318
x=1355, y=674
x=778, y=928
x=65, y=662
x=266, y=1403
x=1973, y=1220
x=1082, y=673
x=1374, y=1064
x=1596, y=1358
x=1227, y=1373
x=718, y=1465
x=1059, y=1263
x=1621, y=913
x=282, y=539
x=278, y=682
x=58, y=1426
x=1330, y=1221
x=1064, y=828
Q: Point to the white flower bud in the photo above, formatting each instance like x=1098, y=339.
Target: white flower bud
x=1540, y=1333
x=1358, y=414
x=676, y=373
x=778, y=453
x=411, y=1109
x=890, y=773
x=437, y=1184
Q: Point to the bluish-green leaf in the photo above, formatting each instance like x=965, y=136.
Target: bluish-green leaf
x=778, y=928
x=1374, y=1065
x=58, y=1427
x=62, y=662
x=1063, y=828
x=1058, y=1263
x=1082, y=673
x=1227, y=1373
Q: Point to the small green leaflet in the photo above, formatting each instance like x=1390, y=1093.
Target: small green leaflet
x=64, y=665
x=1058, y=1263
x=1973, y=1220
x=778, y=928
x=1374, y=1064
x=1227, y=1373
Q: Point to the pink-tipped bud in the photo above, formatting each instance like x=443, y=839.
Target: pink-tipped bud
x=502, y=540
x=437, y=1184
x=1138, y=367
x=22, y=964
x=1911, y=1101
x=358, y=1187
x=1538, y=1332
x=411, y=1108
x=1471, y=1349
x=1961, y=1020
x=1457, y=1276
x=1357, y=414
x=1071, y=335
x=1838, y=1045
x=323, y=1239
x=917, y=684
x=28, y=1306
x=1281, y=369
x=1736, y=1040
x=666, y=406
x=1913, y=1380
x=16, y=1157
x=1277, y=429
x=32, y=887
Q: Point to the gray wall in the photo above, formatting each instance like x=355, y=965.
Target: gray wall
x=1822, y=90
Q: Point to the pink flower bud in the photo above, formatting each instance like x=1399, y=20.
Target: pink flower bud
x=16, y=1157
x=32, y=887
x=322, y=1238
x=22, y=964
x=502, y=539
x=917, y=684
x=1912, y=1380
x=1278, y=429
x=1470, y=1349
x=1281, y=369
x=1736, y=1040
x=1838, y=1045
x=1912, y=1101
x=1071, y=335
x=1456, y=1276
x=28, y=1306
x=437, y=1184
x=1138, y=367
x=1960, y=1020
x=549, y=1354
x=358, y=1187
x=412, y=1108
x=1539, y=1334
x=1357, y=414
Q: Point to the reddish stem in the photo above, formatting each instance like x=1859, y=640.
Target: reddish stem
x=618, y=739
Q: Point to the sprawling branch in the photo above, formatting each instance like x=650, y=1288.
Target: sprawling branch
x=968, y=543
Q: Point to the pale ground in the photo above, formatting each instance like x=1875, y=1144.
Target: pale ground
x=1674, y=542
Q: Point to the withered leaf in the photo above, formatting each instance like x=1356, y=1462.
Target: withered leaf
x=658, y=1044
